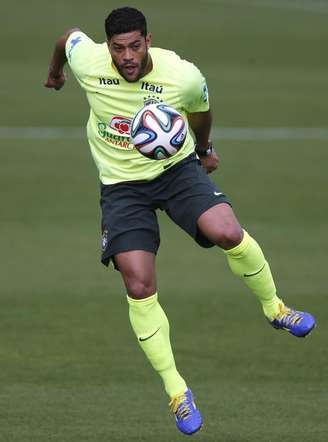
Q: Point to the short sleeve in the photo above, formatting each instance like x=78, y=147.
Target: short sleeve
x=78, y=49
x=195, y=92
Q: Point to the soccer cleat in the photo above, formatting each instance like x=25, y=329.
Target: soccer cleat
x=187, y=416
x=297, y=323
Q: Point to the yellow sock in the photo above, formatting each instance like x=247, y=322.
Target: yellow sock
x=151, y=327
x=247, y=261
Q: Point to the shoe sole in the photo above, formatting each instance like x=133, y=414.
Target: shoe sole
x=194, y=432
x=296, y=336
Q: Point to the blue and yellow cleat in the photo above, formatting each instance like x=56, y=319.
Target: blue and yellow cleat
x=187, y=416
x=297, y=323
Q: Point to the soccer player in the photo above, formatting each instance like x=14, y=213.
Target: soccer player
x=120, y=76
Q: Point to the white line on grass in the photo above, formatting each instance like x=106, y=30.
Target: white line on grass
x=270, y=133
x=42, y=132
x=224, y=133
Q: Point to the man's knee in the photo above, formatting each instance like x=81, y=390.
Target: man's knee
x=140, y=288
x=229, y=237
x=220, y=225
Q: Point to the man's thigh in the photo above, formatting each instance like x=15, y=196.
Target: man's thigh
x=129, y=221
x=192, y=194
x=137, y=268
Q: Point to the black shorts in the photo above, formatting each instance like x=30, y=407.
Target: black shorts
x=129, y=220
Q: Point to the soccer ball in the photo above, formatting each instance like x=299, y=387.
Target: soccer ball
x=158, y=131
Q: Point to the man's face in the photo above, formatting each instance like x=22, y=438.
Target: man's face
x=129, y=53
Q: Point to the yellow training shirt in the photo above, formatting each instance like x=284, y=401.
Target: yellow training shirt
x=114, y=101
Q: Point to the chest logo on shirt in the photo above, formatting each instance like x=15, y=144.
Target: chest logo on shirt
x=121, y=124
x=145, y=86
x=108, y=81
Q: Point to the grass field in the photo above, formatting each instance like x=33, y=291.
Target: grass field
x=70, y=369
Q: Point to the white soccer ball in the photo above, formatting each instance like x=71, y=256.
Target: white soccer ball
x=158, y=131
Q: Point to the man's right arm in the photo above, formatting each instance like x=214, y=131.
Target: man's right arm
x=56, y=75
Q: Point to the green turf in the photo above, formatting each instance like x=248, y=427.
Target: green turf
x=70, y=368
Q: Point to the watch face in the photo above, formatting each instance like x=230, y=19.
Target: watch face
x=209, y=150
x=206, y=152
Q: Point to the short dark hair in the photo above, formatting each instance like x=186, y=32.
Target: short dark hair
x=124, y=20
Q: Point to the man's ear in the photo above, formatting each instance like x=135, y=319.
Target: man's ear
x=148, y=40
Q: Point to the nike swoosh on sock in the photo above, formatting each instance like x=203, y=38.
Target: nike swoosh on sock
x=148, y=337
x=247, y=275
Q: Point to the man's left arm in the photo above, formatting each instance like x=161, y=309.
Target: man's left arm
x=56, y=75
x=201, y=123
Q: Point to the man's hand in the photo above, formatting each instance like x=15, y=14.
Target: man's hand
x=210, y=162
x=55, y=81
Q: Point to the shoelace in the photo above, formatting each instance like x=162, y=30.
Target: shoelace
x=180, y=407
x=288, y=316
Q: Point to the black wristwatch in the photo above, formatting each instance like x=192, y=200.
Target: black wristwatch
x=204, y=152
